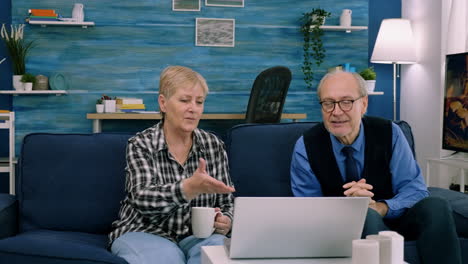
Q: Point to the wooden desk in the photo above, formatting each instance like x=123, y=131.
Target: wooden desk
x=97, y=118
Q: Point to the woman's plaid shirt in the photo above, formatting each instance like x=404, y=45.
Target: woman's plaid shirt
x=154, y=201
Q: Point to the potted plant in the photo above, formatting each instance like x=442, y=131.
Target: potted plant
x=28, y=80
x=99, y=106
x=18, y=50
x=313, y=46
x=369, y=75
x=109, y=103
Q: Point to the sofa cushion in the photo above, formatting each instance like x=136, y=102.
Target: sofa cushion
x=71, y=182
x=45, y=246
x=459, y=203
x=8, y=215
x=260, y=157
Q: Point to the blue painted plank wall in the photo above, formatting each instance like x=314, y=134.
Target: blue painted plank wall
x=5, y=101
x=134, y=40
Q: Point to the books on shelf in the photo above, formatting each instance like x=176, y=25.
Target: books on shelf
x=42, y=15
x=42, y=12
x=132, y=106
x=132, y=101
x=41, y=18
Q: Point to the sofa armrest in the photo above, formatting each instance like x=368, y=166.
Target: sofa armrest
x=459, y=203
x=8, y=215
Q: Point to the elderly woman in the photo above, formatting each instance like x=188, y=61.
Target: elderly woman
x=172, y=167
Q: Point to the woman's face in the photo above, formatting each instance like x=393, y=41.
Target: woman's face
x=184, y=108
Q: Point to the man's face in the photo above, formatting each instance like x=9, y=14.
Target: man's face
x=343, y=124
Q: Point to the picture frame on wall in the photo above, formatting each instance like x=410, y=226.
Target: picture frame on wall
x=186, y=5
x=215, y=32
x=229, y=3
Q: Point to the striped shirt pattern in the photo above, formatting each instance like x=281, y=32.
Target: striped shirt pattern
x=154, y=201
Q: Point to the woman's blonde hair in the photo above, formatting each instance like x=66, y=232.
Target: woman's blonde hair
x=174, y=77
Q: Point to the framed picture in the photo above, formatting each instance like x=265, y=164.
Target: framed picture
x=185, y=5
x=231, y=3
x=216, y=32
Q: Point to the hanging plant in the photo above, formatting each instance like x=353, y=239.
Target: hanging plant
x=313, y=46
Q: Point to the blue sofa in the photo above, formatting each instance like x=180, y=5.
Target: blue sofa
x=69, y=189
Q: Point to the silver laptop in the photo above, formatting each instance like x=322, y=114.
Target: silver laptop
x=296, y=227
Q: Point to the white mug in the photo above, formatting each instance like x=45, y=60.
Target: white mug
x=203, y=221
x=345, y=18
x=78, y=12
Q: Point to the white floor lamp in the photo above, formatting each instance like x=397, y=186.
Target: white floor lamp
x=395, y=45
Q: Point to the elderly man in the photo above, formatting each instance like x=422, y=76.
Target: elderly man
x=352, y=155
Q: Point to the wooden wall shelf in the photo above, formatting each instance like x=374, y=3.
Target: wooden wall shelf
x=43, y=92
x=62, y=23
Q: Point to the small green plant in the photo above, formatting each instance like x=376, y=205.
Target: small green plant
x=368, y=74
x=99, y=101
x=17, y=47
x=28, y=78
x=313, y=46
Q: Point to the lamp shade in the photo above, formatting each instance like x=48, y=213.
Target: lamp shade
x=395, y=42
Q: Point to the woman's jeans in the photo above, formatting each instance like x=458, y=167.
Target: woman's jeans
x=145, y=248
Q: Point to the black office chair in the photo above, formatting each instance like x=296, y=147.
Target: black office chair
x=268, y=95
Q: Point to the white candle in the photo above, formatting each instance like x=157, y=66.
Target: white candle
x=385, y=246
x=397, y=246
x=365, y=251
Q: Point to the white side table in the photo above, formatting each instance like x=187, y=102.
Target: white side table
x=461, y=164
x=217, y=255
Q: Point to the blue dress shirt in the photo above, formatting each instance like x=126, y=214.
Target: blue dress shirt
x=407, y=180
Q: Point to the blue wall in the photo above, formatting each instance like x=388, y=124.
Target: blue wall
x=5, y=81
x=382, y=105
x=133, y=41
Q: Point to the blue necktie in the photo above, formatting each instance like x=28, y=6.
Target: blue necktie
x=350, y=163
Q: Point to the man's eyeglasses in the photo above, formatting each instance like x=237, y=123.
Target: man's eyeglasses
x=345, y=105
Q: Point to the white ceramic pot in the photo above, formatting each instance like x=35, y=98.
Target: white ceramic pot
x=314, y=17
x=345, y=18
x=109, y=106
x=370, y=85
x=99, y=108
x=17, y=84
x=28, y=86
x=78, y=12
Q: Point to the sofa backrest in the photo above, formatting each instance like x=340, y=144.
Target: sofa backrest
x=260, y=156
x=71, y=182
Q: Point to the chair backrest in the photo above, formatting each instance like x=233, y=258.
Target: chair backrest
x=268, y=95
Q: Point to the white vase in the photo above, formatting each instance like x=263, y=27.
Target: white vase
x=109, y=106
x=17, y=84
x=345, y=18
x=370, y=85
x=99, y=108
x=78, y=12
x=28, y=86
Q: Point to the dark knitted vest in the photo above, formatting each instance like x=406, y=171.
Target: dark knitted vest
x=377, y=156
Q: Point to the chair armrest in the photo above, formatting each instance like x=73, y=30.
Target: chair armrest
x=459, y=203
x=8, y=215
